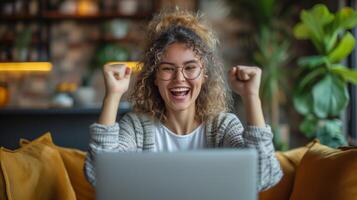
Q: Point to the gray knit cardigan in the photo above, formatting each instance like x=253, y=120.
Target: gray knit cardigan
x=136, y=132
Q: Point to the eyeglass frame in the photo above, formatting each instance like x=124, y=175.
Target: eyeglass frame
x=176, y=70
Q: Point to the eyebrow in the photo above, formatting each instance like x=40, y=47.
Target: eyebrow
x=185, y=63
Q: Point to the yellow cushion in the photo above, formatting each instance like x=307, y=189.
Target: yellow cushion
x=74, y=161
x=326, y=173
x=35, y=171
x=288, y=161
x=2, y=184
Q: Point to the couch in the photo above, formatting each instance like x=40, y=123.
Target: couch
x=39, y=169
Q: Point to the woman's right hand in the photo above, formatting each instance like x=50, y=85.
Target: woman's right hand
x=116, y=78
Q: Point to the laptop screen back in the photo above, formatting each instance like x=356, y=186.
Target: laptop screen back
x=210, y=175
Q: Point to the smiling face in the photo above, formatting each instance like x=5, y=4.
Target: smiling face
x=179, y=93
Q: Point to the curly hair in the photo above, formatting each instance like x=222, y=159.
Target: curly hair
x=184, y=27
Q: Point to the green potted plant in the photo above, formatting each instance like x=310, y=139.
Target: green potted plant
x=271, y=53
x=321, y=94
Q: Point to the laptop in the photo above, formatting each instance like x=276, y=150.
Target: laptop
x=191, y=175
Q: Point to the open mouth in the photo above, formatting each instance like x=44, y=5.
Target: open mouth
x=179, y=92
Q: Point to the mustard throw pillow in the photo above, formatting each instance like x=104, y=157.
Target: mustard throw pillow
x=73, y=160
x=35, y=172
x=326, y=173
x=2, y=185
x=289, y=161
x=74, y=163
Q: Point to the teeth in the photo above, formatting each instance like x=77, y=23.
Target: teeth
x=179, y=90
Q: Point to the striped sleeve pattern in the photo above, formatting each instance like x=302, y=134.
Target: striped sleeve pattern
x=108, y=139
x=269, y=171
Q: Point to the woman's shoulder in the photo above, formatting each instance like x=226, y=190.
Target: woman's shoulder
x=135, y=117
x=223, y=120
x=222, y=124
x=225, y=117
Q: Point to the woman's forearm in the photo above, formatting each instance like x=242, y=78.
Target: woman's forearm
x=109, y=110
x=254, y=111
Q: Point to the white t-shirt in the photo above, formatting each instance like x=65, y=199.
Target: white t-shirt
x=167, y=141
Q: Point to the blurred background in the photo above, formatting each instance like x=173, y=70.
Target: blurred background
x=52, y=52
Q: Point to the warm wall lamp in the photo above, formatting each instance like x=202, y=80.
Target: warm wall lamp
x=19, y=67
x=12, y=72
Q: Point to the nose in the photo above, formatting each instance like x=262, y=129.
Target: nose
x=179, y=75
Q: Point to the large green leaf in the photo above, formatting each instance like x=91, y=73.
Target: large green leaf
x=315, y=21
x=345, y=18
x=311, y=77
x=330, y=96
x=348, y=74
x=313, y=61
x=301, y=31
x=302, y=102
x=330, y=133
x=343, y=49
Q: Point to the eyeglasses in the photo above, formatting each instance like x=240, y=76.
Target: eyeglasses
x=168, y=72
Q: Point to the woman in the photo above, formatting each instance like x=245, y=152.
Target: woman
x=180, y=100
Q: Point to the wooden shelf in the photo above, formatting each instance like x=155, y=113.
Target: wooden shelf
x=113, y=40
x=11, y=40
x=47, y=16
x=22, y=17
x=54, y=15
x=35, y=40
x=50, y=15
x=56, y=111
x=116, y=40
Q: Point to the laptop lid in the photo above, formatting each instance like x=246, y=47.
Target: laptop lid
x=210, y=175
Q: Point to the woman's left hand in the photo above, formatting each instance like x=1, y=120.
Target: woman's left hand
x=245, y=80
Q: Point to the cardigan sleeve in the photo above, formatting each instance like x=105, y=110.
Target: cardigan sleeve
x=114, y=138
x=269, y=171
